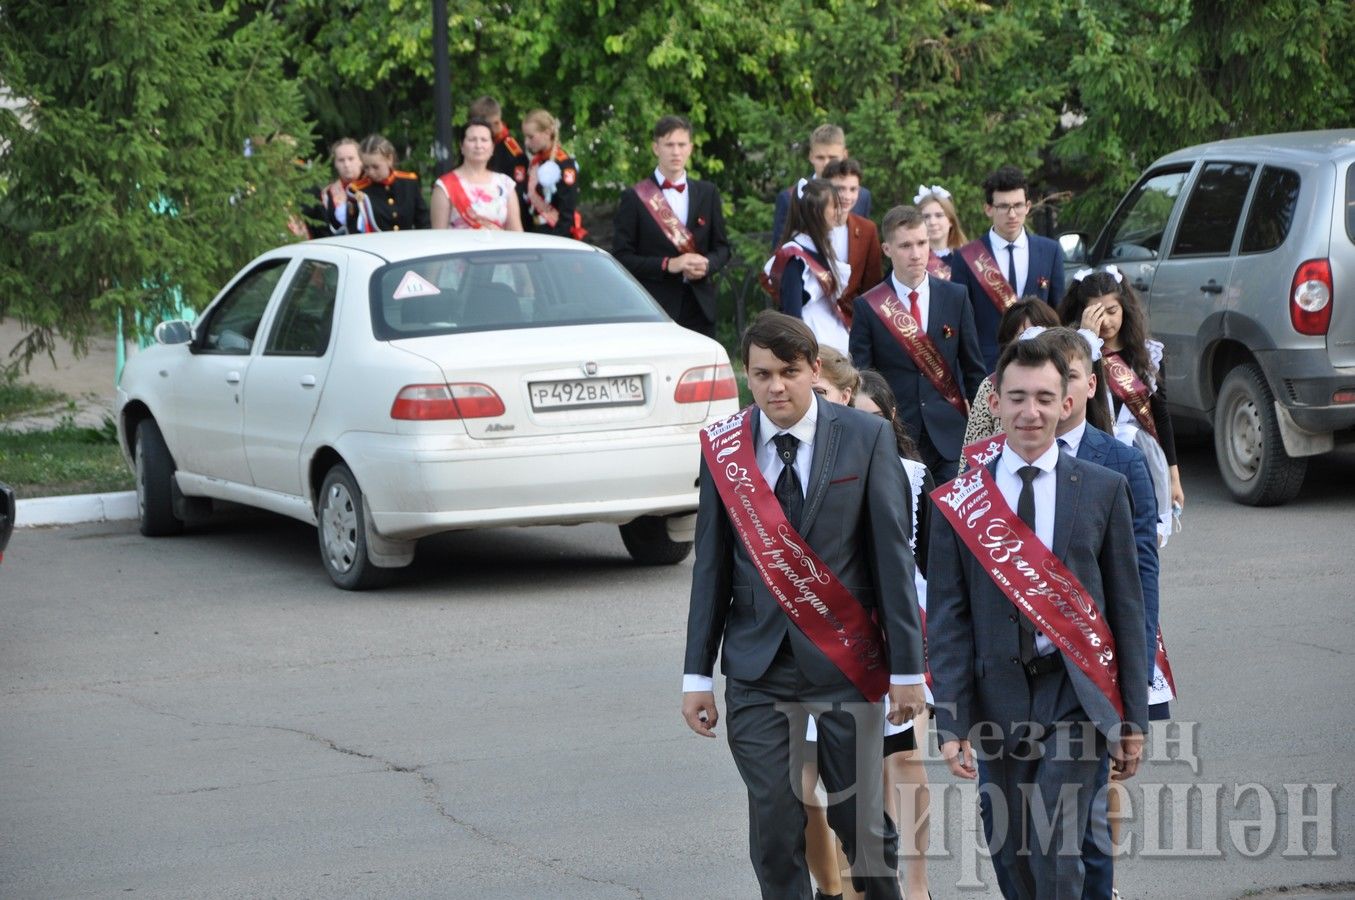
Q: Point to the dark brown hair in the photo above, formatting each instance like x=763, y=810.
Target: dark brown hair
x=809, y=216
x=1031, y=355
x=874, y=386
x=1133, y=335
x=668, y=124
x=1028, y=309
x=1007, y=178
x=840, y=167
x=787, y=337
x=1069, y=343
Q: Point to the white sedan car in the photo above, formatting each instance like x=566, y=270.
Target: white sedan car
x=389, y=386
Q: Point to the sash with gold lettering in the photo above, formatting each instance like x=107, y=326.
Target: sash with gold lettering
x=978, y=455
x=989, y=274
x=771, y=281
x=807, y=591
x=1129, y=387
x=652, y=197
x=899, y=322
x=937, y=266
x=1031, y=577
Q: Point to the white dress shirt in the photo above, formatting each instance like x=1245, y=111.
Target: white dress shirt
x=1072, y=439
x=1009, y=485
x=924, y=297
x=676, y=199
x=1021, y=254
x=770, y=465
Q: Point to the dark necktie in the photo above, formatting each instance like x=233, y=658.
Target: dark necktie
x=1011, y=267
x=788, y=491
x=1063, y=445
x=1025, y=511
x=913, y=309
x=669, y=186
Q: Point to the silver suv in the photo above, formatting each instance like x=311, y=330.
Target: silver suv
x=1244, y=252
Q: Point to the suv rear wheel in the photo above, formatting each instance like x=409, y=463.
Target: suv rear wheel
x=647, y=542
x=1248, y=445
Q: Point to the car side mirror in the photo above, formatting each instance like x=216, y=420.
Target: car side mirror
x=174, y=332
x=1074, y=244
x=7, y=513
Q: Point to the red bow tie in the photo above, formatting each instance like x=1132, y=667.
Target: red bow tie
x=669, y=186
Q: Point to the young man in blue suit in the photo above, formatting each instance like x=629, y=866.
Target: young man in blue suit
x=1007, y=263
x=941, y=311
x=1043, y=723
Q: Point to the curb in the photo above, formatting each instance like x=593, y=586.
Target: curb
x=75, y=508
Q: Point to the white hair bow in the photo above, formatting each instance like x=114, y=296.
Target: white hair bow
x=923, y=192
x=800, y=188
x=1094, y=341
x=1112, y=270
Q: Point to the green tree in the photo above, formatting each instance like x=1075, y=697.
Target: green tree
x=125, y=172
x=1151, y=76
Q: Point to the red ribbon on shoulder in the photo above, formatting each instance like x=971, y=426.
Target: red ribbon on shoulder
x=456, y=192
x=989, y=274
x=653, y=200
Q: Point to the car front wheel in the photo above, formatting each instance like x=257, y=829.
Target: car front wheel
x=342, y=531
x=155, y=482
x=1251, y=456
x=647, y=542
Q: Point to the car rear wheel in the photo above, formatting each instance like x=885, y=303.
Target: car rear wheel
x=647, y=542
x=155, y=482
x=342, y=530
x=1247, y=442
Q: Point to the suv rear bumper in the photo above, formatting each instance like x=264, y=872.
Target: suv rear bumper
x=1303, y=382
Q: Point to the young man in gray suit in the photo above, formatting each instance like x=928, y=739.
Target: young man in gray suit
x=1043, y=707
x=843, y=500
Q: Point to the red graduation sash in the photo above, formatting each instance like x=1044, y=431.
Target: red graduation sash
x=937, y=266
x=1131, y=390
x=652, y=197
x=899, y=322
x=979, y=454
x=1031, y=577
x=804, y=587
x=456, y=192
x=990, y=276
x=771, y=283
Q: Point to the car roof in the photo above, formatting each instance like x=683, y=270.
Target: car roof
x=396, y=246
x=1336, y=145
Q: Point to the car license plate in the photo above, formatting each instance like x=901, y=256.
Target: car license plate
x=625, y=390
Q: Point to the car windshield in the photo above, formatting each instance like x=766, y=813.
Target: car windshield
x=500, y=289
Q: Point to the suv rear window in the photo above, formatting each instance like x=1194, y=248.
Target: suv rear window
x=502, y=289
x=1272, y=210
x=1213, y=211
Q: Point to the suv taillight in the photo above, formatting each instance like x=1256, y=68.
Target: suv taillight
x=706, y=383
x=427, y=402
x=1310, y=297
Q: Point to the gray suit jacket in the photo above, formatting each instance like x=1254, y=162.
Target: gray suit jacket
x=973, y=638
x=857, y=517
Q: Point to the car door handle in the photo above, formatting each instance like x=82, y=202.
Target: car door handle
x=308, y=381
x=1139, y=284
x=1213, y=287
x=232, y=378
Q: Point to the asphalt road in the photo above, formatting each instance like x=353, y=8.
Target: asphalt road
x=206, y=716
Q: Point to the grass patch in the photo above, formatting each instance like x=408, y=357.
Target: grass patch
x=65, y=460
x=18, y=398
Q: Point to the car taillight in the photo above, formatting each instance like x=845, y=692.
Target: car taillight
x=1310, y=297
x=426, y=402
x=706, y=383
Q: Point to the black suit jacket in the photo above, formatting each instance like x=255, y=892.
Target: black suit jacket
x=641, y=246
x=921, y=405
x=1044, y=279
x=857, y=517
